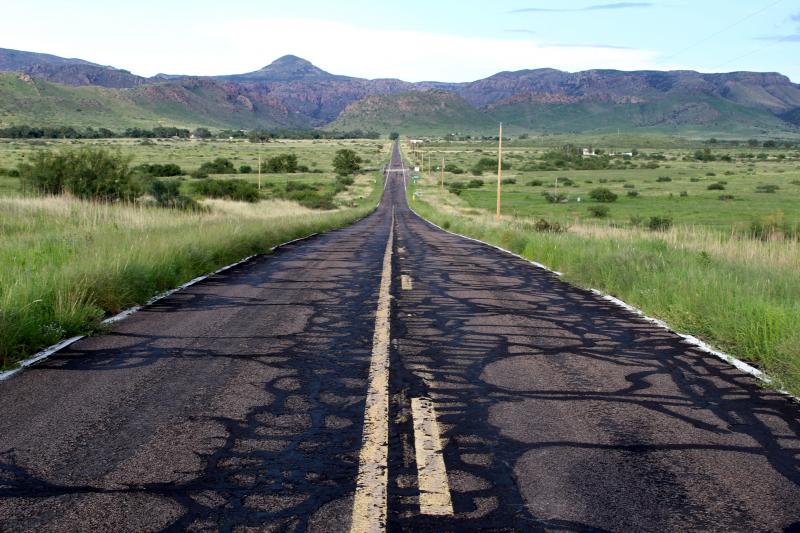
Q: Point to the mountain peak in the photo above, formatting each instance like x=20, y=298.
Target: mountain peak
x=289, y=68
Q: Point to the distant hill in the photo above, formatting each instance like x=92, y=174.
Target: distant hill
x=292, y=92
x=188, y=103
x=66, y=71
x=417, y=112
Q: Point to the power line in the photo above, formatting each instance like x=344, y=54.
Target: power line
x=723, y=30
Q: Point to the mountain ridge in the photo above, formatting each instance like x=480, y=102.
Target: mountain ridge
x=293, y=92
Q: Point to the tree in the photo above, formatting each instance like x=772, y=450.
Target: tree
x=202, y=133
x=346, y=162
x=394, y=136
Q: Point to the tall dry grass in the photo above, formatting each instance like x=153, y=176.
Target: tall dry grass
x=65, y=263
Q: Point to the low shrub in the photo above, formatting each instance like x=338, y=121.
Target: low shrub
x=659, y=223
x=716, y=187
x=599, y=211
x=543, y=225
x=603, y=195
x=554, y=198
x=89, y=173
x=726, y=197
x=219, y=165
x=508, y=181
x=633, y=194
x=535, y=183
x=234, y=189
x=160, y=171
x=663, y=179
x=769, y=188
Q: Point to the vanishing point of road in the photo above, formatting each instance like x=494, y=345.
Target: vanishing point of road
x=392, y=376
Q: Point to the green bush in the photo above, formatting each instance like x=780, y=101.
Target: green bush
x=508, y=181
x=659, y=223
x=716, y=187
x=535, y=183
x=245, y=169
x=219, y=165
x=633, y=194
x=234, y=189
x=554, y=198
x=90, y=173
x=663, y=179
x=160, y=171
x=345, y=180
x=453, y=169
x=603, y=195
x=475, y=184
x=281, y=163
x=167, y=193
x=487, y=163
x=599, y=211
x=769, y=188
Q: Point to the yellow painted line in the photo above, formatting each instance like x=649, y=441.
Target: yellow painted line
x=405, y=282
x=434, y=489
x=369, y=505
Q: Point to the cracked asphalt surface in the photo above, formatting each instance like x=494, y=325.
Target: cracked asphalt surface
x=238, y=404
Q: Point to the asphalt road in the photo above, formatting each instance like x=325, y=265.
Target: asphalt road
x=239, y=404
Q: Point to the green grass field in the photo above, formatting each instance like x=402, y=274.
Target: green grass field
x=676, y=188
x=706, y=275
x=65, y=263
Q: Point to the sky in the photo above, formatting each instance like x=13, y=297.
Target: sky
x=414, y=40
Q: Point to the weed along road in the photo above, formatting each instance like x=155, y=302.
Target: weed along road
x=392, y=376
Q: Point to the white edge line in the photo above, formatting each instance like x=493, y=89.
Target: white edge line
x=47, y=352
x=688, y=339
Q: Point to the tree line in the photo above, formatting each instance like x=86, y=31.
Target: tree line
x=166, y=132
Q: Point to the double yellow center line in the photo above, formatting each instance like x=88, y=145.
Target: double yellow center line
x=371, y=502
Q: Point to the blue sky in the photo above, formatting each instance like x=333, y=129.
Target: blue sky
x=415, y=40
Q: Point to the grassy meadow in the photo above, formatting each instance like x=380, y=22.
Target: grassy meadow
x=707, y=273
x=65, y=263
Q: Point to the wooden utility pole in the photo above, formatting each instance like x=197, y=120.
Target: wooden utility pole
x=499, y=169
x=442, y=174
x=259, y=168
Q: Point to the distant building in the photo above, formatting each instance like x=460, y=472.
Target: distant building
x=589, y=152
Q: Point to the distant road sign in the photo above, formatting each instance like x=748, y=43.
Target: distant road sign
x=416, y=169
